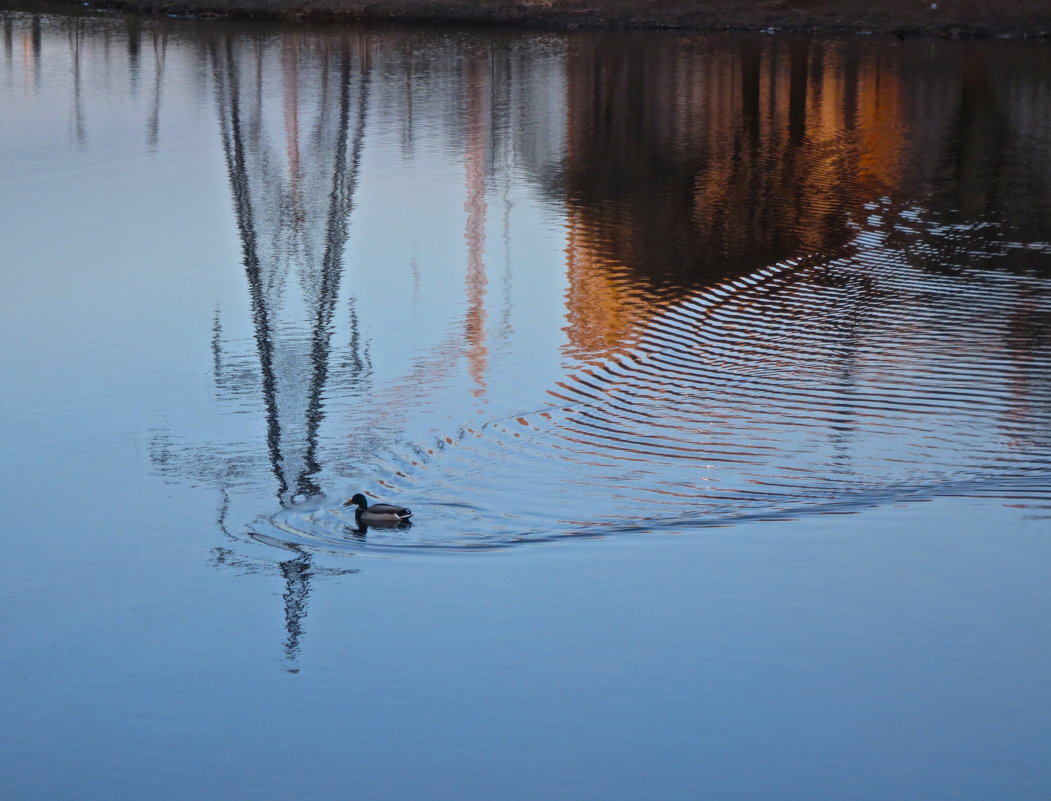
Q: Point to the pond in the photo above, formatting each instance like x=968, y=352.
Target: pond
x=716, y=371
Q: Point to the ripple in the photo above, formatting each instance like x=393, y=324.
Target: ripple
x=813, y=386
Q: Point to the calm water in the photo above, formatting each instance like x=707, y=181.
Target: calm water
x=716, y=370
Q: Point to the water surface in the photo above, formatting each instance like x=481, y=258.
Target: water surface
x=716, y=370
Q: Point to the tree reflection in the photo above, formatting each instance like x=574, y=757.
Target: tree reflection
x=299, y=574
x=292, y=215
x=692, y=160
x=293, y=222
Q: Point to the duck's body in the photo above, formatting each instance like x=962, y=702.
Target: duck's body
x=379, y=513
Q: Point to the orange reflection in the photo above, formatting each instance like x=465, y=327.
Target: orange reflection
x=475, y=157
x=685, y=167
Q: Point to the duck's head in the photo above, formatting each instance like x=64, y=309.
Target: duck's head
x=358, y=500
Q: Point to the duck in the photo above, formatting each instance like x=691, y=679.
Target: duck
x=378, y=513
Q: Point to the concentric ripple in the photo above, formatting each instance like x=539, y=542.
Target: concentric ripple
x=813, y=386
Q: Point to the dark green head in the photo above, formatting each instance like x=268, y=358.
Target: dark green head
x=358, y=500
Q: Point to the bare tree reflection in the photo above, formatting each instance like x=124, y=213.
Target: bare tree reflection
x=134, y=43
x=292, y=203
x=160, y=52
x=294, y=226
x=9, y=38
x=293, y=222
x=76, y=41
x=299, y=574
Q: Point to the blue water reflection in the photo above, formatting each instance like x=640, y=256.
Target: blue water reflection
x=716, y=371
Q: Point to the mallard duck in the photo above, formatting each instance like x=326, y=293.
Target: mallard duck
x=378, y=513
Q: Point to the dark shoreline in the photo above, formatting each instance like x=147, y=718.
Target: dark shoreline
x=955, y=19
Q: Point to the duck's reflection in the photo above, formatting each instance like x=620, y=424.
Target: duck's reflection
x=360, y=530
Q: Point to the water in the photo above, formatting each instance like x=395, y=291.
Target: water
x=716, y=370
